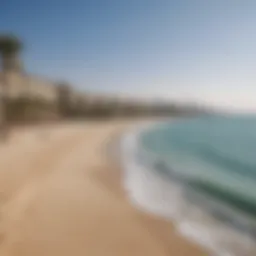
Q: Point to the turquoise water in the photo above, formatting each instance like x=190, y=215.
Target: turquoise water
x=215, y=155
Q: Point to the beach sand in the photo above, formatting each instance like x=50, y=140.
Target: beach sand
x=61, y=194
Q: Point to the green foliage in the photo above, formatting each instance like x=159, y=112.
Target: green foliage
x=9, y=44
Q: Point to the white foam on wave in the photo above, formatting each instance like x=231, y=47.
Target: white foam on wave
x=152, y=192
x=146, y=189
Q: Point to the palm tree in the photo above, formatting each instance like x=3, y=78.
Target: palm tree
x=10, y=47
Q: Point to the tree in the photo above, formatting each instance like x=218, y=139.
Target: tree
x=64, y=100
x=10, y=47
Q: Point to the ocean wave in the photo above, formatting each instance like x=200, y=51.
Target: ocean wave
x=219, y=193
x=154, y=187
x=231, y=164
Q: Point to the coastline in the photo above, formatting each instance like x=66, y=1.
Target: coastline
x=153, y=190
x=63, y=196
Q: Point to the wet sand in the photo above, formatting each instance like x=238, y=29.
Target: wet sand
x=60, y=194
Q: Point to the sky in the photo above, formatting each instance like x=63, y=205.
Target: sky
x=191, y=51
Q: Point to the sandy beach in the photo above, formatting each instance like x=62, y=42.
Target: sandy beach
x=61, y=195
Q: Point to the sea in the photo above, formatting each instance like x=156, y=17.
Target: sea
x=201, y=174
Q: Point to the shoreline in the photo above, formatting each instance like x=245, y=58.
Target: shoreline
x=163, y=228
x=153, y=194
x=66, y=198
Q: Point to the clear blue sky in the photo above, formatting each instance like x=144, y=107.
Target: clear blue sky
x=184, y=49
